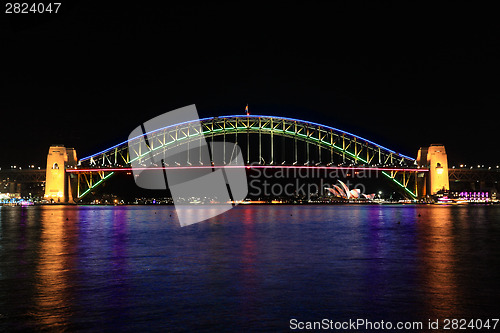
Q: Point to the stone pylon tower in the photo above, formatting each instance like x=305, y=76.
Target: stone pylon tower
x=57, y=182
x=436, y=159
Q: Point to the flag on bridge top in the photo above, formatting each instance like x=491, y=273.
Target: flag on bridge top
x=246, y=110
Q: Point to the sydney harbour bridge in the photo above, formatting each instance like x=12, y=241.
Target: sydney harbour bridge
x=263, y=141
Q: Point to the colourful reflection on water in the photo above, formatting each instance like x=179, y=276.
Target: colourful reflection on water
x=248, y=275
x=438, y=262
x=56, y=255
x=134, y=268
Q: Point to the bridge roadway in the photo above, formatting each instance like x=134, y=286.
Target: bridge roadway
x=22, y=176
x=310, y=167
x=474, y=175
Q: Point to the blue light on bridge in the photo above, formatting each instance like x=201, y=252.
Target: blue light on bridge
x=254, y=116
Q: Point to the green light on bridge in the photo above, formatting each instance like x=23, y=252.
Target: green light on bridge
x=242, y=129
x=96, y=184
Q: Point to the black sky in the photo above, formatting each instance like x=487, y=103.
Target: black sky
x=403, y=76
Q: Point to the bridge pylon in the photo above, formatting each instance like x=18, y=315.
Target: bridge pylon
x=58, y=183
x=435, y=159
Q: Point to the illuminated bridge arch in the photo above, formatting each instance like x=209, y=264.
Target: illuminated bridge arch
x=263, y=140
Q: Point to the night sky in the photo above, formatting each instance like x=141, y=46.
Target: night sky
x=402, y=76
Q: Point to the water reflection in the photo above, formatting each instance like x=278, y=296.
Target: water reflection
x=135, y=268
x=102, y=262
x=53, y=296
x=439, y=263
x=119, y=267
x=248, y=275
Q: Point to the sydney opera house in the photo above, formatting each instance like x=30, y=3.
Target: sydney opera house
x=343, y=192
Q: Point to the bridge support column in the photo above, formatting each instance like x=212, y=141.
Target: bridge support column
x=436, y=159
x=58, y=184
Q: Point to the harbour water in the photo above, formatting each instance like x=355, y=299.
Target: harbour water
x=254, y=268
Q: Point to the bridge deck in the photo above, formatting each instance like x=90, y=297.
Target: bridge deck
x=76, y=170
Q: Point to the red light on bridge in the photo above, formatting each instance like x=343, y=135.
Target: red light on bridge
x=128, y=169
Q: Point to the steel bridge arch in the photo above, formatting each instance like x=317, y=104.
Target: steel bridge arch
x=351, y=147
